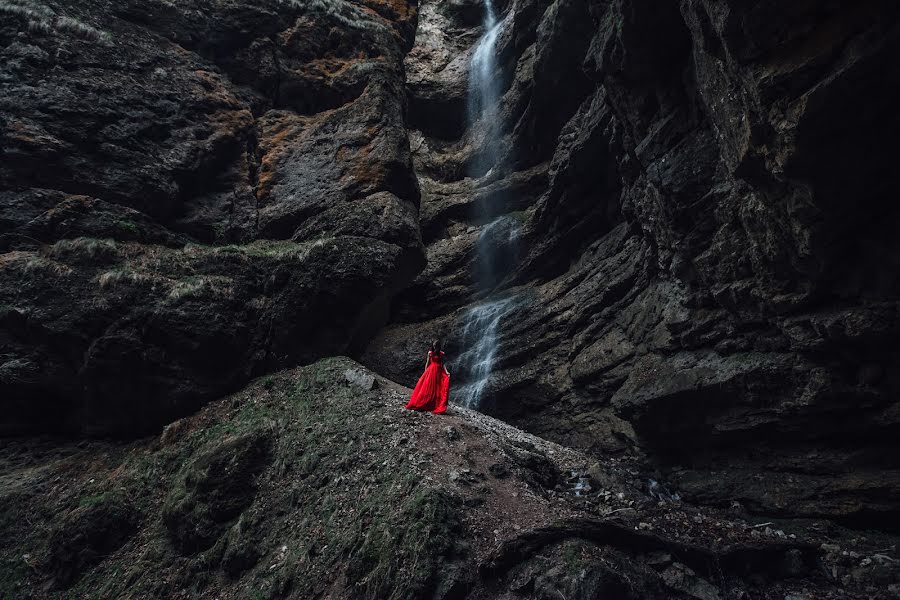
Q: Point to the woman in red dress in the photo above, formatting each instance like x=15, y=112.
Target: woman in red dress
x=433, y=387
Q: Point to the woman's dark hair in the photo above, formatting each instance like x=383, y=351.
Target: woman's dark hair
x=436, y=346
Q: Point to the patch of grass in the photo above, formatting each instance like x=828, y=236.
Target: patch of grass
x=272, y=249
x=39, y=265
x=396, y=555
x=575, y=557
x=42, y=20
x=85, y=247
x=390, y=538
x=129, y=226
x=94, y=500
x=335, y=506
x=203, y=286
x=40, y=27
x=123, y=276
x=26, y=9
x=80, y=30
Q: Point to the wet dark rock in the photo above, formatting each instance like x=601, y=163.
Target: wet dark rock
x=681, y=578
x=498, y=470
x=694, y=209
x=130, y=336
x=80, y=216
x=536, y=467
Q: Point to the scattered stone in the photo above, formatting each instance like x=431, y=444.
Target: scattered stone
x=361, y=379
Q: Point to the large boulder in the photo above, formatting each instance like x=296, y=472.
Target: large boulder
x=120, y=337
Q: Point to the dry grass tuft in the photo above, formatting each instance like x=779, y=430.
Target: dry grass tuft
x=205, y=286
x=348, y=15
x=39, y=265
x=280, y=249
x=26, y=9
x=123, y=276
x=80, y=30
x=43, y=20
x=84, y=247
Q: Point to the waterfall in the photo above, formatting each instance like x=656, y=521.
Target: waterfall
x=484, y=91
x=496, y=248
x=479, y=340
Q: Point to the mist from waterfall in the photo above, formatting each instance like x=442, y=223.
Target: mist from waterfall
x=496, y=248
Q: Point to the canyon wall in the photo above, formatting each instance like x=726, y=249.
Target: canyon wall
x=691, y=217
x=705, y=270
x=192, y=194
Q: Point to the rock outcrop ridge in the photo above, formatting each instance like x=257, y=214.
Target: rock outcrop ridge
x=307, y=484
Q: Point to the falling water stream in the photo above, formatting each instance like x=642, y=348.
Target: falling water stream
x=479, y=340
x=484, y=91
x=496, y=246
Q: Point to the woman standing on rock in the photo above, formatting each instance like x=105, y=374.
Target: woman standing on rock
x=433, y=387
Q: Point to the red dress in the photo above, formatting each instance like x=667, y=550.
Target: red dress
x=433, y=387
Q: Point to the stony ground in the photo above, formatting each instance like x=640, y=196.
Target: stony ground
x=316, y=483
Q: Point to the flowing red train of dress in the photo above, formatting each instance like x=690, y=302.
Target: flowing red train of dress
x=433, y=387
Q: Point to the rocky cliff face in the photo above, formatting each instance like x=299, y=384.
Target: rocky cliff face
x=704, y=273
x=192, y=194
x=707, y=265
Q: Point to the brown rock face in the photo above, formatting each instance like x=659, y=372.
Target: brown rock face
x=157, y=161
x=707, y=266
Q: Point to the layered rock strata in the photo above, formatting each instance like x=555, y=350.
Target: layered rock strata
x=707, y=267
